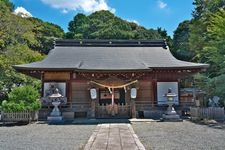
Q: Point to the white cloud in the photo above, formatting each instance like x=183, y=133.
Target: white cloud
x=88, y=6
x=134, y=21
x=64, y=11
x=22, y=12
x=161, y=4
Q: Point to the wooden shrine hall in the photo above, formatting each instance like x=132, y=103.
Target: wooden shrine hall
x=110, y=78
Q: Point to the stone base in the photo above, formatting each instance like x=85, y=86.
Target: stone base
x=55, y=113
x=168, y=113
x=171, y=117
x=55, y=118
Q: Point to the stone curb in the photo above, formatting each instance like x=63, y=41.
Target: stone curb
x=136, y=139
x=92, y=138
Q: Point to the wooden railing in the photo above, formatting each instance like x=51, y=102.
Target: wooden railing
x=150, y=104
x=76, y=105
x=216, y=113
x=19, y=116
x=71, y=105
x=115, y=110
x=144, y=105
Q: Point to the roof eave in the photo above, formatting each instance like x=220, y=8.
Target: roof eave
x=19, y=68
x=114, y=70
x=205, y=66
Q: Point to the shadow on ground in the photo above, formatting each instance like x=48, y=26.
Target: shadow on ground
x=12, y=124
x=210, y=123
x=85, y=121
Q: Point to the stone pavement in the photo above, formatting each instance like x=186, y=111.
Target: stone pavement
x=114, y=137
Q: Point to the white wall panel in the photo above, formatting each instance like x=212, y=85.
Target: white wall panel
x=162, y=89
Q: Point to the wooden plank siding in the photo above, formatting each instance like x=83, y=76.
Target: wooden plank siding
x=145, y=91
x=80, y=92
x=57, y=76
x=145, y=96
x=80, y=102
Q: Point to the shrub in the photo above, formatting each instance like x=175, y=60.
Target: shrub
x=216, y=87
x=24, y=98
x=212, y=87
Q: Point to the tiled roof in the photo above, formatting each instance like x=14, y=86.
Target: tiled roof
x=109, y=55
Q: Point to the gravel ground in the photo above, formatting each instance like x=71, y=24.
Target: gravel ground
x=45, y=137
x=180, y=136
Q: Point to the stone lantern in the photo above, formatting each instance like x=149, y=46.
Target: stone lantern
x=170, y=114
x=55, y=115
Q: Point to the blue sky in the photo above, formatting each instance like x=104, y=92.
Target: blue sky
x=148, y=13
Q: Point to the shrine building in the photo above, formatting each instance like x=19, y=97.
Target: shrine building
x=111, y=78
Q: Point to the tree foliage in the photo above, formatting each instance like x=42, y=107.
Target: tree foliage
x=214, y=49
x=181, y=48
x=16, y=54
x=205, y=7
x=23, y=98
x=165, y=36
x=204, y=36
x=35, y=33
x=193, y=39
x=105, y=25
x=44, y=35
x=202, y=44
x=211, y=86
x=22, y=40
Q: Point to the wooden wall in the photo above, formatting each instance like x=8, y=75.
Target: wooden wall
x=80, y=92
x=145, y=91
x=57, y=76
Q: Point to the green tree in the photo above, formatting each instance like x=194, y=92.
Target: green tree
x=214, y=49
x=6, y=5
x=181, y=48
x=105, y=25
x=24, y=98
x=215, y=87
x=44, y=33
x=205, y=7
x=165, y=36
x=200, y=37
x=35, y=33
x=206, y=42
x=17, y=54
x=22, y=40
x=79, y=27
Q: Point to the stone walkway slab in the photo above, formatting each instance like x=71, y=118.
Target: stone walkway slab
x=114, y=137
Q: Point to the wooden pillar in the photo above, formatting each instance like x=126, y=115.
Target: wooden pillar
x=97, y=102
x=70, y=94
x=154, y=86
x=93, y=108
x=178, y=82
x=133, y=109
x=70, y=90
x=42, y=84
x=113, y=96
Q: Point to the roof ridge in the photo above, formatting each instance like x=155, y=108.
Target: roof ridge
x=110, y=43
